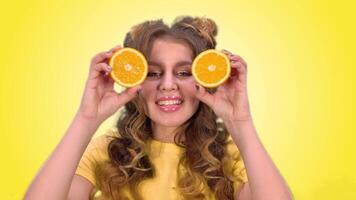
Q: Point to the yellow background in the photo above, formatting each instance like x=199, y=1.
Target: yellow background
x=300, y=57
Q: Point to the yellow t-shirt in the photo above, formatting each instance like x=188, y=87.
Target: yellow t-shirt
x=164, y=158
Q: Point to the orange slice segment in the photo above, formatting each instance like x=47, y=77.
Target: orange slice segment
x=129, y=67
x=211, y=68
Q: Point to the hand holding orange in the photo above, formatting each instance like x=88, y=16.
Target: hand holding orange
x=230, y=100
x=100, y=100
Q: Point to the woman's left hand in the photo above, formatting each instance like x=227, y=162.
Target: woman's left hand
x=230, y=101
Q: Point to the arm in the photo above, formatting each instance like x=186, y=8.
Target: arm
x=265, y=181
x=54, y=179
x=230, y=102
x=244, y=193
x=99, y=101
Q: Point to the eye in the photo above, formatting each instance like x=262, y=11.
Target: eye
x=184, y=73
x=154, y=74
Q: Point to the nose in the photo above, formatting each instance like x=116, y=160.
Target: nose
x=168, y=83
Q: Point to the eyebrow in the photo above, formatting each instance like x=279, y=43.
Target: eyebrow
x=178, y=64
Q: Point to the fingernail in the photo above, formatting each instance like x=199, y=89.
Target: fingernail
x=138, y=90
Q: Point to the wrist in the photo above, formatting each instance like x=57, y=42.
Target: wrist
x=242, y=132
x=239, y=121
x=90, y=124
x=239, y=127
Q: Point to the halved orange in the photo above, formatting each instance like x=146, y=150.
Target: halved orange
x=129, y=67
x=211, y=68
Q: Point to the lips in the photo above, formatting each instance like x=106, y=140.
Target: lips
x=169, y=103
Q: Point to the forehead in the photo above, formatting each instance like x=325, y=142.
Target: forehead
x=169, y=49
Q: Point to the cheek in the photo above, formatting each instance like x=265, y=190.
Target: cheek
x=189, y=91
x=188, y=87
x=147, y=89
x=147, y=95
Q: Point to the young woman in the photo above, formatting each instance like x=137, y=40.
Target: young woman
x=174, y=140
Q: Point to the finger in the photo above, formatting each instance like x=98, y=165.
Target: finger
x=233, y=70
x=234, y=58
x=241, y=72
x=99, y=69
x=115, y=48
x=226, y=52
x=109, y=80
x=204, y=96
x=101, y=57
x=238, y=58
x=128, y=94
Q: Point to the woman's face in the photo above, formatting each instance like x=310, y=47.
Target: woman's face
x=168, y=91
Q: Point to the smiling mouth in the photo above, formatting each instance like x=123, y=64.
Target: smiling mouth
x=169, y=102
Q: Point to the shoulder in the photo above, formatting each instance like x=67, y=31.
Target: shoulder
x=95, y=154
x=104, y=139
x=98, y=146
x=231, y=149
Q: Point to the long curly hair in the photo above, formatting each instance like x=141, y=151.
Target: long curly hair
x=205, y=136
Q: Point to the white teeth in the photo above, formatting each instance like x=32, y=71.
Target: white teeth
x=169, y=102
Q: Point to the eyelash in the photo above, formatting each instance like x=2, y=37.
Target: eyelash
x=184, y=73
x=179, y=74
x=153, y=74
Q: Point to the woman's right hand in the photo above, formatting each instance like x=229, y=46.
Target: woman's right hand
x=100, y=100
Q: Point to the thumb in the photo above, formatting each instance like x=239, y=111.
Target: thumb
x=204, y=96
x=128, y=94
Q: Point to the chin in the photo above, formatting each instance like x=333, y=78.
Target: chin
x=171, y=118
x=169, y=121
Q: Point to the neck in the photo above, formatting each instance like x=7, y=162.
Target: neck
x=164, y=134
